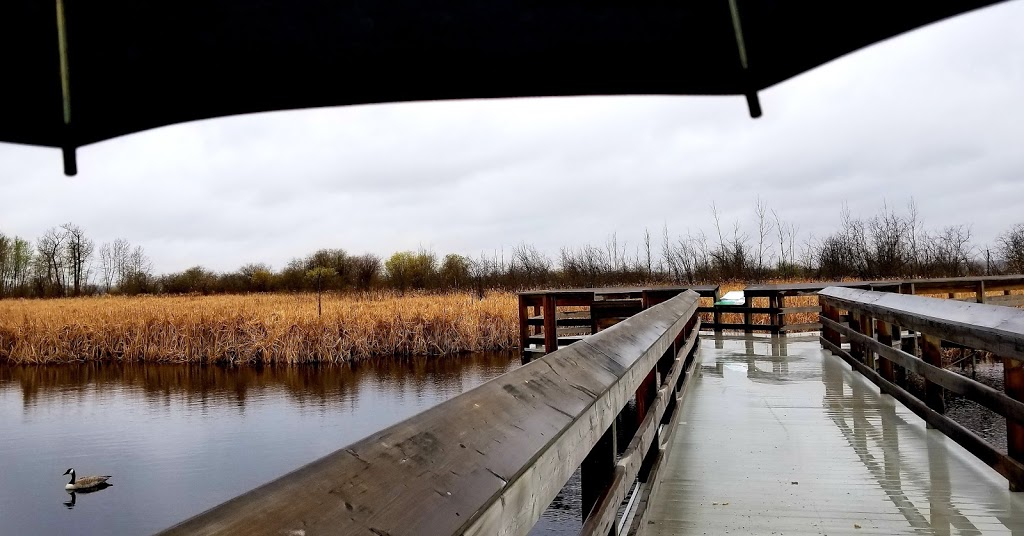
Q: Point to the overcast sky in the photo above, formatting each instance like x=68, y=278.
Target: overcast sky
x=936, y=114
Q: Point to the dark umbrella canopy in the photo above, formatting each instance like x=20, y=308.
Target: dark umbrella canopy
x=135, y=65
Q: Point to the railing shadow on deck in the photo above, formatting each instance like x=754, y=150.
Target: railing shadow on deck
x=491, y=460
x=876, y=322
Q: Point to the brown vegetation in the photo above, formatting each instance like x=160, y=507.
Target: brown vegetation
x=262, y=328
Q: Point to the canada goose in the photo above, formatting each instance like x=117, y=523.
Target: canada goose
x=86, y=482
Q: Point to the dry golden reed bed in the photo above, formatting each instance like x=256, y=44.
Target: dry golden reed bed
x=267, y=328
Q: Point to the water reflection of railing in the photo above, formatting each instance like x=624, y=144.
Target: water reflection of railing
x=319, y=385
x=874, y=320
x=864, y=407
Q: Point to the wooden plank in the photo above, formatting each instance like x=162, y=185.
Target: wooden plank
x=741, y=327
x=735, y=309
x=995, y=329
x=1009, y=300
x=806, y=309
x=807, y=326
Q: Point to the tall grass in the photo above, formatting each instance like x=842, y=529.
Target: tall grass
x=263, y=328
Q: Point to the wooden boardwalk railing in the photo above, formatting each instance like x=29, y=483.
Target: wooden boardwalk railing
x=978, y=288
x=876, y=317
x=545, y=325
x=492, y=459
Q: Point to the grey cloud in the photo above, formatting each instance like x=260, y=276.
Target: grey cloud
x=934, y=115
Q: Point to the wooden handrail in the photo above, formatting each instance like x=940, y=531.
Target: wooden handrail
x=876, y=317
x=491, y=460
x=999, y=330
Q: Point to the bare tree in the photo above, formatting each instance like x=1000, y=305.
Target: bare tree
x=787, y=233
x=647, y=251
x=51, y=262
x=1011, y=247
x=764, y=229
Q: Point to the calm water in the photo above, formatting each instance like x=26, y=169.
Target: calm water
x=179, y=440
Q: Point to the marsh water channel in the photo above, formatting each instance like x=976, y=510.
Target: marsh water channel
x=180, y=439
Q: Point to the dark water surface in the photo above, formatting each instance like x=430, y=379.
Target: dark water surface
x=181, y=439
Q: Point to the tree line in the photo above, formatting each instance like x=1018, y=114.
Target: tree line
x=64, y=261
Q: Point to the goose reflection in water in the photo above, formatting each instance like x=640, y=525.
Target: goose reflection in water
x=70, y=503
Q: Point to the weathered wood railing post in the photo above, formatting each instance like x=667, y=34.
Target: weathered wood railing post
x=885, y=367
x=550, y=324
x=829, y=312
x=597, y=470
x=1013, y=382
x=747, y=317
x=773, y=304
x=524, y=325
x=979, y=295
x=864, y=324
x=717, y=314
x=931, y=353
x=856, y=347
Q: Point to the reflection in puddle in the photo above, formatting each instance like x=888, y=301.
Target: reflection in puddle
x=791, y=437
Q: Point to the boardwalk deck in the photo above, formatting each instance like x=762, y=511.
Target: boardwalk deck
x=786, y=439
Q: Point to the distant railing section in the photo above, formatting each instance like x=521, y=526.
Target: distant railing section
x=491, y=460
x=873, y=324
x=550, y=319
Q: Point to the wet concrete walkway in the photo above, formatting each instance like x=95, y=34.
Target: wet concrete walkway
x=786, y=439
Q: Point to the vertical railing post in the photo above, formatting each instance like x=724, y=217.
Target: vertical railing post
x=886, y=367
x=597, y=470
x=826, y=331
x=931, y=353
x=865, y=327
x=782, y=316
x=1013, y=380
x=979, y=295
x=644, y=397
x=773, y=316
x=524, y=325
x=716, y=315
x=908, y=344
x=550, y=324
x=856, y=348
x=747, y=316
x=828, y=311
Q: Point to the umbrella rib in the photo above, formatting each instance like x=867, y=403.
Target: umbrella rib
x=68, y=147
x=753, y=103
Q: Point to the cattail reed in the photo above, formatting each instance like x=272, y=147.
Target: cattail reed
x=259, y=328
